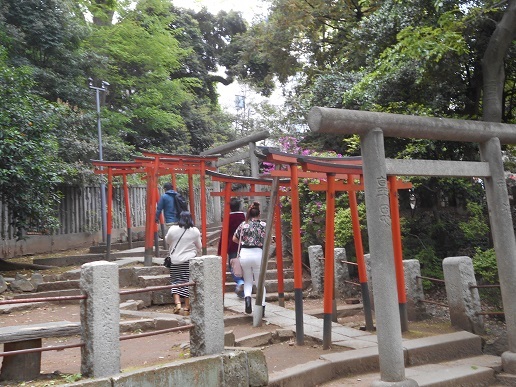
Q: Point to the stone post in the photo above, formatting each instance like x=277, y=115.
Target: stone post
x=316, y=255
x=100, y=319
x=367, y=260
x=416, y=309
x=388, y=325
x=207, y=314
x=463, y=301
x=342, y=289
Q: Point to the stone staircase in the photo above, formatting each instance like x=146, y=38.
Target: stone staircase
x=446, y=360
x=453, y=359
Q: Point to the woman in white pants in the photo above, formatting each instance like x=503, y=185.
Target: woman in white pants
x=251, y=235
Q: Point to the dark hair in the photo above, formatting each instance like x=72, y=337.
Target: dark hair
x=253, y=211
x=234, y=204
x=185, y=220
x=168, y=186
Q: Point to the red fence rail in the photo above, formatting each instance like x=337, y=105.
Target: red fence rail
x=82, y=297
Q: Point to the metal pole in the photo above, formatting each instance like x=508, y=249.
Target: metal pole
x=102, y=184
x=101, y=158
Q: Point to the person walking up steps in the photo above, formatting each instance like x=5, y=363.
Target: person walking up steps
x=184, y=240
x=167, y=204
x=251, y=235
x=235, y=218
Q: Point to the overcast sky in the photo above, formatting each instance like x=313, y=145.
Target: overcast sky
x=249, y=8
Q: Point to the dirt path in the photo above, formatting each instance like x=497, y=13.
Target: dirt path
x=64, y=366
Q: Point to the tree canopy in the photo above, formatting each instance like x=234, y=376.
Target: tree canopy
x=163, y=64
x=159, y=61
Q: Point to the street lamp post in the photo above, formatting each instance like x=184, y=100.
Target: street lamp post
x=101, y=158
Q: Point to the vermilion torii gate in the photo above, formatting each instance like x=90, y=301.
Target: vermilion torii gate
x=372, y=127
x=117, y=168
x=273, y=218
x=154, y=165
x=158, y=164
x=330, y=169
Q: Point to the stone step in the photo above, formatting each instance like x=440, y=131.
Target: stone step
x=57, y=285
x=352, y=367
x=270, y=285
x=101, y=249
x=474, y=371
x=344, y=310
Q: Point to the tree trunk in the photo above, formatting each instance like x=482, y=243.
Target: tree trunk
x=493, y=64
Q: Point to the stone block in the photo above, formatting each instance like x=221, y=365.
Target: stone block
x=58, y=285
x=162, y=297
x=282, y=335
x=439, y=348
x=234, y=363
x=463, y=301
x=198, y=371
x=312, y=373
x=145, y=297
x=100, y=316
x=36, y=279
x=153, y=280
x=3, y=284
x=137, y=325
x=257, y=371
x=229, y=339
x=129, y=305
x=127, y=277
x=316, y=256
x=21, y=284
x=255, y=340
x=164, y=322
x=342, y=289
x=69, y=275
x=416, y=309
x=207, y=336
x=23, y=366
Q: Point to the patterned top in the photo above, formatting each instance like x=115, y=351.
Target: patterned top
x=253, y=234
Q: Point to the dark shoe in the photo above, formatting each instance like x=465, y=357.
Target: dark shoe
x=263, y=311
x=248, y=308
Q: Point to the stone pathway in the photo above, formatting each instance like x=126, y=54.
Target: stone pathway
x=313, y=327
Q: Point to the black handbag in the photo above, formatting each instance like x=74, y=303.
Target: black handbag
x=168, y=261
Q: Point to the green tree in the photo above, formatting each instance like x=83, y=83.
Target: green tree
x=47, y=36
x=29, y=169
x=145, y=104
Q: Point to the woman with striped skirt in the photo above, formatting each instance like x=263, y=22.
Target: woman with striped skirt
x=184, y=241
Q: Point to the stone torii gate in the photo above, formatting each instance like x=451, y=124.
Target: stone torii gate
x=372, y=127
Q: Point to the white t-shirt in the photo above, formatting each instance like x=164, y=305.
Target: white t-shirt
x=187, y=247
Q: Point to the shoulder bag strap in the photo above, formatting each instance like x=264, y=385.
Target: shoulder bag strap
x=174, y=249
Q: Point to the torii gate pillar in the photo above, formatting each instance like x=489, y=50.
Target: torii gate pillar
x=390, y=348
